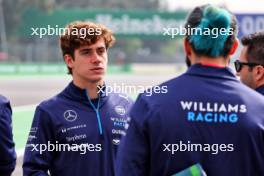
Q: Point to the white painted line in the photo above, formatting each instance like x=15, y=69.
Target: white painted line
x=20, y=153
x=24, y=108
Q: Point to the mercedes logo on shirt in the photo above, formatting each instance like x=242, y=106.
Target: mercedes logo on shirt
x=70, y=115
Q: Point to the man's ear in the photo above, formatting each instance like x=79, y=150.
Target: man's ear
x=234, y=47
x=187, y=47
x=258, y=73
x=68, y=60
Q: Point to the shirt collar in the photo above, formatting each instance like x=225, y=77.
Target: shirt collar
x=260, y=89
x=211, y=71
x=78, y=94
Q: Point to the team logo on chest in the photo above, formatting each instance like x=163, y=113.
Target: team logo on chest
x=120, y=110
x=70, y=115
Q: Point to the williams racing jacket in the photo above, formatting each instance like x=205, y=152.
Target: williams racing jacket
x=207, y=117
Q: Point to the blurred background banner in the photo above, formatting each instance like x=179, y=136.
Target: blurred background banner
x=29, y=31
x=249, y=23
x=133, y=23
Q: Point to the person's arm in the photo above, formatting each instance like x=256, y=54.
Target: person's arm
x=37, y=162
x=7, y=146
x=133, y=153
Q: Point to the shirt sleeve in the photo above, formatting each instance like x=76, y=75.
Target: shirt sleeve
x=133, y=153
x=7, y=146
x=37, y=160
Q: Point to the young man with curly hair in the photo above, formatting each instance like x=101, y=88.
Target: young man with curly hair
x=81, y=127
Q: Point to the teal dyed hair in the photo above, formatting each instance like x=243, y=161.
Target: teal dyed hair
x=213, y=17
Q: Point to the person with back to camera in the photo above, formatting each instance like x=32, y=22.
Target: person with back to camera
x=207, y=117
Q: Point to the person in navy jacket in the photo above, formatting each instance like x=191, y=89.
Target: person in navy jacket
x=250, y=66
x=77, y=132
x=206, y=118
x=7, y=145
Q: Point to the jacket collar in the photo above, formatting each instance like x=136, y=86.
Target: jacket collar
x=260, y=89
x=76, y=93
x=211, y=71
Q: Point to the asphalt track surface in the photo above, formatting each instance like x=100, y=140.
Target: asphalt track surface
x=31, y=90
x=28, y=90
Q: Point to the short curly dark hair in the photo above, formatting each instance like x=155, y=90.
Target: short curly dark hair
x=255, y=44
x=73, y=37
